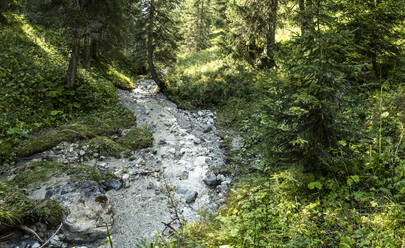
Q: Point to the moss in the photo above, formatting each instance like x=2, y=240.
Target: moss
x=37, y=172
x=16, y=208
x=137, y=138
x=49, y=211
x=94, y=124
x=81, y=172
x=119, y=79
x=101, y=199
x=106, y=147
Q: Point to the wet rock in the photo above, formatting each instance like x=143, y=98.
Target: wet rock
x=207, y=129
x=112, y=184
x=190, y=196
x=162, y=142
x=211, y=180
x=87, y=210
x=221, y=178
x=27, y=243
x=126, y=180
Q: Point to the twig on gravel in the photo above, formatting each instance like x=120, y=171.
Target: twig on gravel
x=53, y=235
x=29, y=230
x=169, y=226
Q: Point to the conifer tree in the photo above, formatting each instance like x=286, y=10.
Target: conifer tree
x=304, y=109
x=253, y=30
x=162, y=34
x=376, y=25
x=199, y=23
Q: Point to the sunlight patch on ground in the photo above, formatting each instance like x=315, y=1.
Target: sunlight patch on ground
x=29, y=31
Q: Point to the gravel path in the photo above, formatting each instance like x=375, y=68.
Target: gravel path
x=166, y=181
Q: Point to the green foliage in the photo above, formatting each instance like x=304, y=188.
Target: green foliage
x=204, y=79
x=16, y=208
x=197, y=18
x=377, y=33
x=305, y=108
x=106, y=147
x=136, y=138
x=279, y=211
x=33, y=93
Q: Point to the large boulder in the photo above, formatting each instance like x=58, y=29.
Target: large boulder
x=87, y=211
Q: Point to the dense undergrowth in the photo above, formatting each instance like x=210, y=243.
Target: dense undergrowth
x=38, y=111
x=356, y=202
x=34, y=95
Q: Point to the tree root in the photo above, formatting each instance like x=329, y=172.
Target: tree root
x=29, y=230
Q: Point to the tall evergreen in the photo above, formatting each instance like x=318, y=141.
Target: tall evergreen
x=304, y=110
x=253, y=30
x=162, y=34
x=99, y=23
x=376, y=25
x=198, y=18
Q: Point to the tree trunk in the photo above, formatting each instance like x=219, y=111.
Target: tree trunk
x=3, y=20
x=302, y=19
x=268, y=60
x=74, y=60
x=152, y=68
x=93, y=50
x=87, y=52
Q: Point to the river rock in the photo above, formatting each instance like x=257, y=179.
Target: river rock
x=87, y=210
x=190, y=196
x=112, y=184
x=211, y=180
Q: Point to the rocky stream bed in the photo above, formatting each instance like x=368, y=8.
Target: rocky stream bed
x=152, y=191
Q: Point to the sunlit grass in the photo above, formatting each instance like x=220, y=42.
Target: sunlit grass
x=31, y=34
x=205, y=61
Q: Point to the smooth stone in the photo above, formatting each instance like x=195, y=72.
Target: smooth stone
x=211, y=180
x=190, y=196
x=112, y=184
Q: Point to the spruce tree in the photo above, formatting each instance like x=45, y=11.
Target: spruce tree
x=162, y=34
x=197, y=18
x=304, y=109
x=377, y=32
x=253, y=30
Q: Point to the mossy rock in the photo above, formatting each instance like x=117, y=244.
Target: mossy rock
x=34, y=173
x=137, y=138
x=98, y=123
x=106, y=147
x=16, y=209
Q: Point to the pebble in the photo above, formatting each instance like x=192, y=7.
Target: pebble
x=191, y=196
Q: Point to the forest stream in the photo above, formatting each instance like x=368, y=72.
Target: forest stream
x=148, y=194
x=172, y=187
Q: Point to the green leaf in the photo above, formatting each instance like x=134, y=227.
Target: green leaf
x=316, y=184
x=385, y=115
x=55, y=112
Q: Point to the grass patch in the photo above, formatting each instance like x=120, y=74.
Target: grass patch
x=205, y=79
x=37, y=172
x=106, y=146
x=281, y=210
x=16, y=208
x=119, y=79
x=137, y=138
